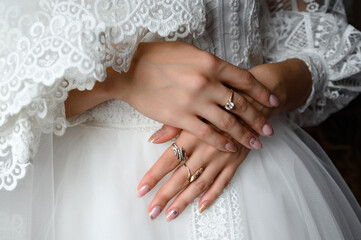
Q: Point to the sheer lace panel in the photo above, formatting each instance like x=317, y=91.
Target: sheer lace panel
x=321, y=37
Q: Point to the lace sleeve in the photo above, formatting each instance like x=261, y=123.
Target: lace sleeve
x=44, y=42
x=317, y=32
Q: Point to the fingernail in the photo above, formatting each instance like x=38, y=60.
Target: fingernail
x=267, y=130
x=156, y=135
x=230, y=147
x=255, y=143
x=155, y=212
x=172, y=214
x=273, y=100
x=143, y=190
x=203, y=207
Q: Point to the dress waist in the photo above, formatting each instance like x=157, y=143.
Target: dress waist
x=117, y=114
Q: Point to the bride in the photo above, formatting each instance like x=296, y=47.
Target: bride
x=229, y=90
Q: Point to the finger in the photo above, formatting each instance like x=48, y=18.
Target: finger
x=228, y=123
x=246, y=111
x=164, y=134
x=193, y=191
x=177, y=182
x=165, y=164
x=217, y=187
x=243, y=80
x=209, y=135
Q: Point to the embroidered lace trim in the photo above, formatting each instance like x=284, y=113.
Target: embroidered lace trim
x=73, y=40
x=330, y=47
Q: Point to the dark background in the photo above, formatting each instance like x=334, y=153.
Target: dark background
x=340, y=134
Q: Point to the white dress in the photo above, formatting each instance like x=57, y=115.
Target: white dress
x=83, y=185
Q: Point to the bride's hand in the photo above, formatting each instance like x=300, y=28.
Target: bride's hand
x=177, y=84
x=291, y=80
x=219, y=168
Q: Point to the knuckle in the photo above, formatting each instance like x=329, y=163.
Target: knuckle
x=248, y=80
x=152, y=178
x=225, y=182
x=242, y=104
x=209, y=60
x=260, y=121
x=200, y=185
x=228, y=121
x=183, y=201
x=161, y=197
x=205, y=131
x=199, y=82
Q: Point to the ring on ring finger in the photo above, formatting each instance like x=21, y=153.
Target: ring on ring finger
x=230, y=104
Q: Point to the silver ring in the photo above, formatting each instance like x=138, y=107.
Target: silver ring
x=180, y=154
x=230, y=105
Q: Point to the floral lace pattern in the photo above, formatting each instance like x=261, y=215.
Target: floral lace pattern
x=321, y=37
x=74, y=40
x=215, y=223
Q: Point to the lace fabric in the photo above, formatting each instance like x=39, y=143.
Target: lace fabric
x=73, y=40
x=321, y=37
x=76, y=40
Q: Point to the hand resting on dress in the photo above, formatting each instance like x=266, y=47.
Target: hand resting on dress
x=291, y=80
x=177, y=84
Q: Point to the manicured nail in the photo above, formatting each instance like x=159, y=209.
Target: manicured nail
x=143, y=190
x=267, y=130
x=230, y=147
x=155, y=212
x=273, y=100
x=156, y=135
x=172, y=214
x=255, y=143
x=204, y=206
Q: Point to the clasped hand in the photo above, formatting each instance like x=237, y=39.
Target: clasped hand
x=179, y=85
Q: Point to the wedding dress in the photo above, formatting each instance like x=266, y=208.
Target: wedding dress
x=82, y=184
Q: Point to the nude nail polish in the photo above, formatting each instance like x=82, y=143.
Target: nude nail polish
x=155, y=212
x=203, y=207
x=273, y=100
x=255, y=143
x=143, y=190
x=267, y=130
x=172, y=214
x=158, y=134
x=230, y=147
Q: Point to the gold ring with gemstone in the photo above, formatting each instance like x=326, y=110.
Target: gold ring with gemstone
x=230, y=104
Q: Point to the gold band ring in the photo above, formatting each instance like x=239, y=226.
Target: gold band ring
x=191, y=178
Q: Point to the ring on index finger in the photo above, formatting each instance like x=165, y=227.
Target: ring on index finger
x=180, y=154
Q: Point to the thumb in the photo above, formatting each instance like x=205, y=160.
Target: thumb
x=164, y=134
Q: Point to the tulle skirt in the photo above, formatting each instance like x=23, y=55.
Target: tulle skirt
x=287, y=190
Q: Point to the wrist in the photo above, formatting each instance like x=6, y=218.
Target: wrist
x=116, y=85
x=290, y=81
